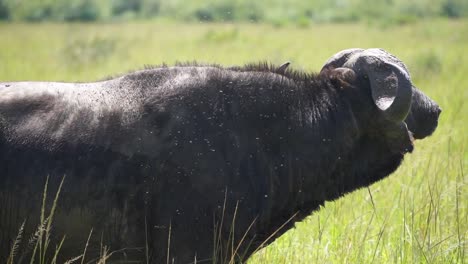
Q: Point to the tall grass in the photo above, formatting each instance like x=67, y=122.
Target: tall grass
x=417, y=215
x=40, y=241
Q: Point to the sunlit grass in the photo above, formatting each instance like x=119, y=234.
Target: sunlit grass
x=418, y=215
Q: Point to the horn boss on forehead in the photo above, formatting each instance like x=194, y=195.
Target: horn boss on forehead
x=340, y=58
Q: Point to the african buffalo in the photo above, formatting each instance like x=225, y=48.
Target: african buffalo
x=202, y=162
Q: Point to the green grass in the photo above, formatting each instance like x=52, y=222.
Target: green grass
x=418, y=215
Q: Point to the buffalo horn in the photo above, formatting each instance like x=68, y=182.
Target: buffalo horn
x=339, y=59
x=389, y=81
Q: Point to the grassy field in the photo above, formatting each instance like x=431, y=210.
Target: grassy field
x=418, y=215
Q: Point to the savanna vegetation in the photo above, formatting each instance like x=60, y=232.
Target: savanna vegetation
x=278, y=12
x=417, y=215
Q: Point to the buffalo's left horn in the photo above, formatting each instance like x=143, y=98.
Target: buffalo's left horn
x=389, y=80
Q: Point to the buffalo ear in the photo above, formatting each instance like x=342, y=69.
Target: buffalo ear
x=341, y=77
x=345, y=74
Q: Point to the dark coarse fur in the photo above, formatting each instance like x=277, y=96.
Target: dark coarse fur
x=214, y=160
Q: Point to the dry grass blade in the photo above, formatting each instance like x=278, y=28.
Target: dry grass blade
x=274, y=233
x=104, y=255
x=169, y=243
x=57, y=250
x=33, y=241
x=230, y=240
x=146, y=242
x=365, y=236
x=460, y=235
x=54, y=204
x=219, y=230
x=41, y=231
x=241, y=241
x=371, y=198
x=46, y=241
x=15, y=246
x=70, y=261
x=86, y=247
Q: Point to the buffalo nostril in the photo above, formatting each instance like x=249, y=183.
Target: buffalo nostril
x=439, y=110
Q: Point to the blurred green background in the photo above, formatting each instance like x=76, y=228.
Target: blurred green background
x=271, y=11
x=417, y=215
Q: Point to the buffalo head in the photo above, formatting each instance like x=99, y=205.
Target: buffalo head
x=399, y=103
